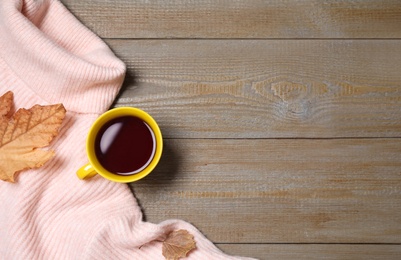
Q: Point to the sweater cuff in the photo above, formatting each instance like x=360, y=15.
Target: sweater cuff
x=57, y=57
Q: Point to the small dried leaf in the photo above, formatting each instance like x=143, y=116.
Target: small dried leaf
x=23, y=133
x=178, y=244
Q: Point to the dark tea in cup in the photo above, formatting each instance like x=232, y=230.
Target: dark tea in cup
x=125, y=145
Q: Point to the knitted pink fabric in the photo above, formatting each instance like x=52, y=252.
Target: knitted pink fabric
x=48, y=57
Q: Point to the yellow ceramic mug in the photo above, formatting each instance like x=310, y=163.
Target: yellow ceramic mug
x=99, y=166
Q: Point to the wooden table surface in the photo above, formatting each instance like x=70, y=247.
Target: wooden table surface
x=282, y=119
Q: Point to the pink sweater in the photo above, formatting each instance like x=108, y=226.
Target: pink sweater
x=48, y=57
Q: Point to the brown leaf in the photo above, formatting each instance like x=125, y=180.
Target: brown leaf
x=177, y=244
x=6, y=103
x=23, y=133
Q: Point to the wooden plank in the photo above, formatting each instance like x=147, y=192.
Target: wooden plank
x=314, y=251
x=265, y=88
x=279, y=191
x=240, y=19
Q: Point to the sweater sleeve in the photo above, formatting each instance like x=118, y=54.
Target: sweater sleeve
x=71, y=64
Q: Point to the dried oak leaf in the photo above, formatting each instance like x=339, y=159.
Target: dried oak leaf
x=23, y=133
x=178, y=244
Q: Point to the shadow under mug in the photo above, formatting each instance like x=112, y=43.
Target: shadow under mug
x=95, y=167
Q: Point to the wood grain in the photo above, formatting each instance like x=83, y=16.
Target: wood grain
x=265, y=88
x=240, y=19
x=315, y=252
x=279, y=191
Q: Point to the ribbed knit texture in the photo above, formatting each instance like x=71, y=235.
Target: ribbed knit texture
x=48, y=57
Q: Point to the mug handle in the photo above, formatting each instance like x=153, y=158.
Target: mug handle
x=86, y=172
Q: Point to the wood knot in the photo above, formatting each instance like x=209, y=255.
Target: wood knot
x=297, y=98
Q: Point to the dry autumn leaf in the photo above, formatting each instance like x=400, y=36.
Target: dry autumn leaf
x=24, y=132
x=6, y=103
x=178, y=244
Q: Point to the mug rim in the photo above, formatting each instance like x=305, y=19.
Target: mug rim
x=106, y=117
